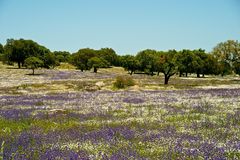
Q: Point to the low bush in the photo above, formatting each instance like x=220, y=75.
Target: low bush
x=123, y=82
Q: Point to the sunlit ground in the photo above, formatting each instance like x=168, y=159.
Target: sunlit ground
x=69, y=114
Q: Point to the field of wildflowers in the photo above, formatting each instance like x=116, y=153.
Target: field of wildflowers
x=65, y=114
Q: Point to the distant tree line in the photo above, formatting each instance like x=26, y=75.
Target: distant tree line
x=22, y=51
x=86, y=59
x=223, y=60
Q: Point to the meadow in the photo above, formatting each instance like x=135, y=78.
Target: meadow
x=64, y=113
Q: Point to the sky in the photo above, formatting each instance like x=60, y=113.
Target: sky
x=127, y=26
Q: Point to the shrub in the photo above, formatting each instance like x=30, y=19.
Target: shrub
x=123, y=82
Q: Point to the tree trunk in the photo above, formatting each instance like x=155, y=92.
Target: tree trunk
x=95, y=69
x=19, y=65
x=166, y=78
x=131, y=72
x=180, y=74
x=186, y=74
x=203, y=75
x=151, y=73
x=33, y=71
x=158, y=73
x=198, y=75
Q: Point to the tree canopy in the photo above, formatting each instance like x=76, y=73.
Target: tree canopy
x=109, y=55
x=228, y=56
x=33, y=63
x=224, y=59
x=19, y=50
x=130, y=63
x=96, y=63
x=168, y=64
x=1, y=49
x=1, y=52
x=80, y=59
x=62, y=56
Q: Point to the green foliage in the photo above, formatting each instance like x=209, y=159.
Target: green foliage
x=80, y=59
x=147, y=60
x=185, y=60
x=130, y=63
x=225, y=58
x=237, y=67
x=33, y=63
x=109, y=55
x=1, y=49
x=227, y=53
x=1, y=52
x=19, y=50
x=87, y=58
x=96, y=63
x=151, y=61
x=168, y=64
x=199, y=61
x=211, y=65
x=50, y=60
x=62, y=56
x=123, y=82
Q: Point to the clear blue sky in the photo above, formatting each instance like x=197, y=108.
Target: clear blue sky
x=127, y=26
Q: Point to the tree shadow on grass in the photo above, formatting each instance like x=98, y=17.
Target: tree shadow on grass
x=36, y=74
x=235, y=80
x=15, y=68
